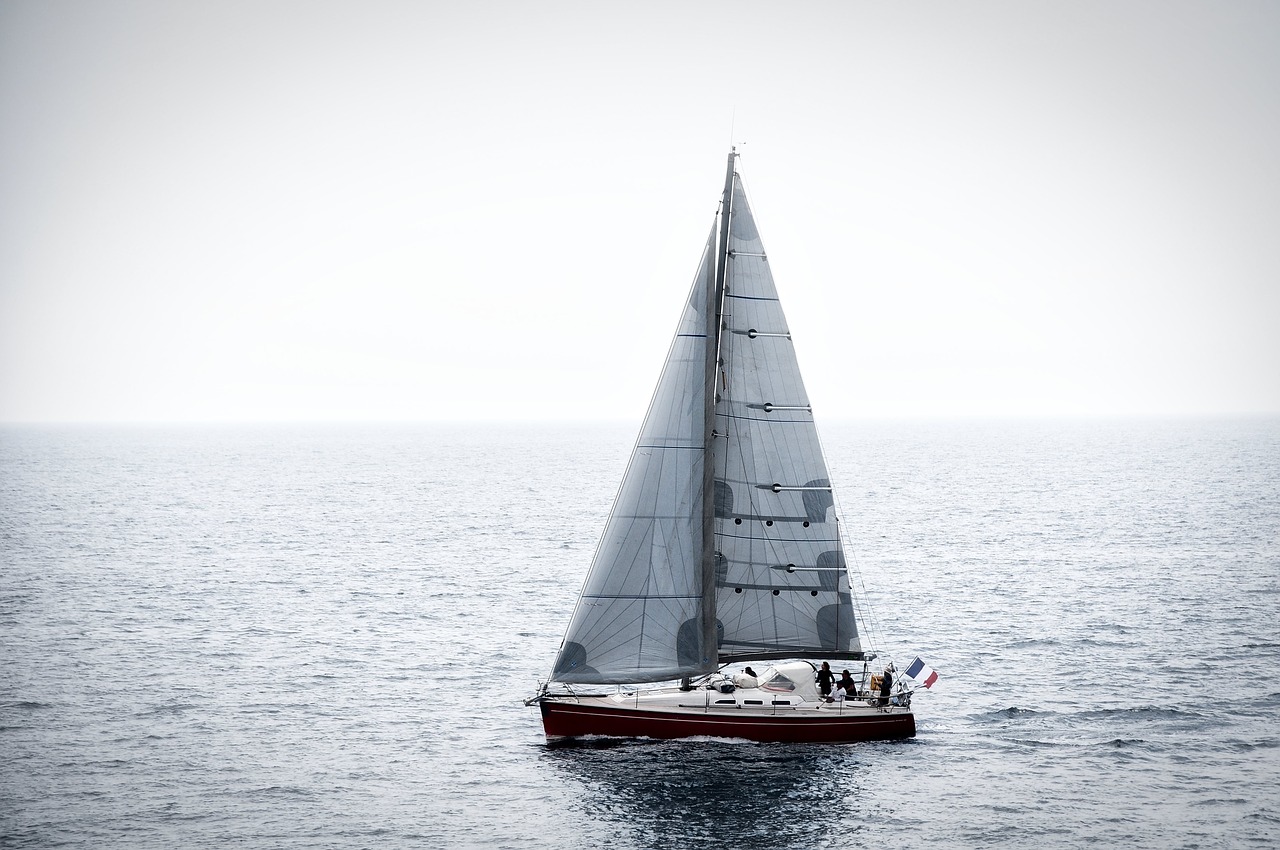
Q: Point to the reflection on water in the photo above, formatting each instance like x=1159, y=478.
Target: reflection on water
x=745, y=794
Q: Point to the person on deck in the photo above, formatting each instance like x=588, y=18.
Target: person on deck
x=886, y=685
x=825, y=679
x=846, y=682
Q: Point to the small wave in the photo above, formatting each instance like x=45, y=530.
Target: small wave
x=174, y=708
x=1101, y=642
x=1011, y=713
x=1266, y=816
x=27, y=705
x=1146, y=712
x=1118, y=628
x=1035, y=742
x=1032, y=642
x=1243, y=746
x=1075, y=743
x=1124, y=743
x=280, y=790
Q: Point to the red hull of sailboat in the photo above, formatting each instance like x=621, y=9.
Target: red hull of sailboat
x=571, y=720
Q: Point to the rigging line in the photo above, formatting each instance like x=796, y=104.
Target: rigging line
x=865, y=608
x=861, y=601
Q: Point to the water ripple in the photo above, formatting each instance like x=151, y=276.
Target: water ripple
x=303, y=637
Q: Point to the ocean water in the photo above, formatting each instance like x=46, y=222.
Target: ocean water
x=321, y=637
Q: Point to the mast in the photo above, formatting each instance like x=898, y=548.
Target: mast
x=715, y=321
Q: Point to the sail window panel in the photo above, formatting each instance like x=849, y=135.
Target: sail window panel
x=669, y=421
x=765, y=623
x=815, y=498
x=647, y=560
x=790, y=620
x=763, y=315
x=616, y=655
x=759, y=621
x=752, y=289
x=767, y=453
x=744, y=238
x=767, y=568
x=649, y=543
x=763, y=372
x=762, y=562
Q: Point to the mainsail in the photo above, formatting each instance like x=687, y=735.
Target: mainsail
x=783, y=591
x=774, y=564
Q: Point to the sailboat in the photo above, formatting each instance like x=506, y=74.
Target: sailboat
x=722, y=548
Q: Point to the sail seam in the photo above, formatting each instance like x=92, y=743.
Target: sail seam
x=775, y=540
x=639, y=596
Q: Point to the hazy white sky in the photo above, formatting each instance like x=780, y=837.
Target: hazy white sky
x=242, y=211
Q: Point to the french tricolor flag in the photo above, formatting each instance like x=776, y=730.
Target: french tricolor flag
x=922, y=673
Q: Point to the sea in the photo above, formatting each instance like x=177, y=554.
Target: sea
x=289, y=636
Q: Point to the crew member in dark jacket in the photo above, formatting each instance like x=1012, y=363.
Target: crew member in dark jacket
x=825, y=678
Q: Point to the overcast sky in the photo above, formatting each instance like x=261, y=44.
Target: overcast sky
x=309, y=210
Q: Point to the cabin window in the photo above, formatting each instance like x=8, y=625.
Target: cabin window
x=778, y=682
x=753, y=702
x=726, y=702
x=782, y=702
